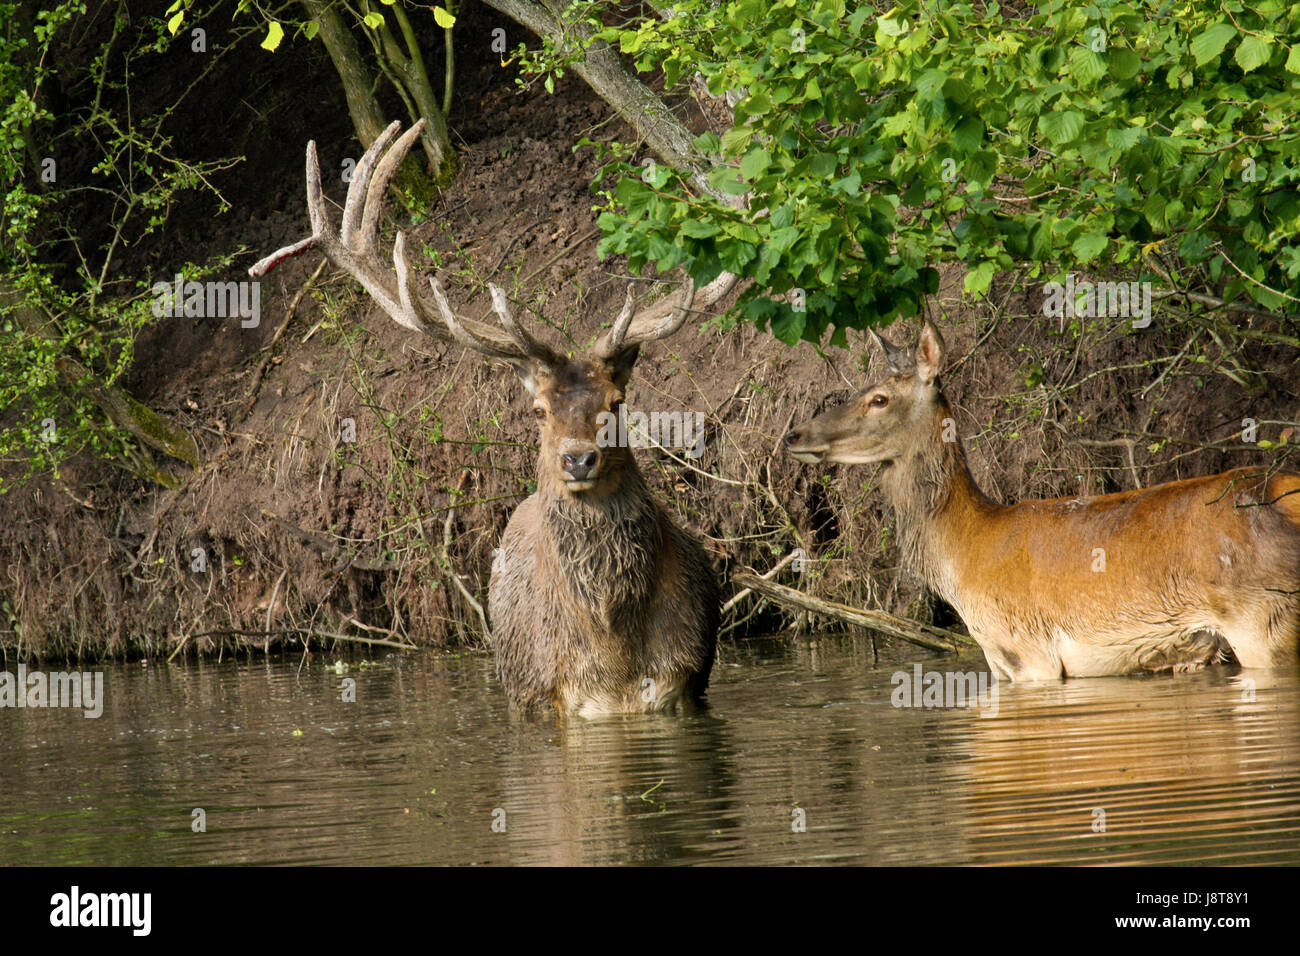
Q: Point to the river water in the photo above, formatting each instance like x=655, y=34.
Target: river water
x=802, y=757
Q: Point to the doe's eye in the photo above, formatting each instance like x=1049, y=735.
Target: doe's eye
x=879, y=401
x=538, y=412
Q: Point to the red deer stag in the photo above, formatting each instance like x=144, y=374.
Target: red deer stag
x=599, y=602
x=1170, y=577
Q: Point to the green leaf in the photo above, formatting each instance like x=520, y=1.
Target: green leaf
x=1123, y=139
x=863, y=71
x=758, y=103
x=736, y=140
x=274, y=34
x=849, y=185
x=1089, y=67
x=890, y=28
x=734, y=256
x=700, y=230
x=755, y=162
x=979, y=279
x=1089, y=246
x=443, y=18
x=930, y=82
x=823, y=165
x=899, y=123
x=373, y=20
x=1061, y=127
x=1293, y=59
x=708, y=142
x=1210, y=43
x=980, y=166
x=968, y=135
x=788, y=325
x=1252, y=53
x=783, y=238
x=1168, y=148
x=1124, y=64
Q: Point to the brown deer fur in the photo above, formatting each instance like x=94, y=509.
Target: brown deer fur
x=598, y=601
x=1170, y=577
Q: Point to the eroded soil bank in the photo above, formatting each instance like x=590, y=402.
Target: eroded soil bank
x=309, y=529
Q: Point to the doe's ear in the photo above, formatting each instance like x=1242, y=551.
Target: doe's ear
x=620, y=366
x=526, y=369
x=929, y=354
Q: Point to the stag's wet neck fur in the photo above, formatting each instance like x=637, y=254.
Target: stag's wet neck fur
x=929, y=487
x=608, y=545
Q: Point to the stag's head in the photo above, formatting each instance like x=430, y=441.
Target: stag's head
x=569, y=395
x=572, y=398
x=887, y=419
x=575, y=399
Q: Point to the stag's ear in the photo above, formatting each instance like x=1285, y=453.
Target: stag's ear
x=929, y=354
x=526, y=369
x=620, y=366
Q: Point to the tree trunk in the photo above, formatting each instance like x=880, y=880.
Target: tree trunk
x=358, y=85
x=407, y=68
x=605, y=72
x=359, y=89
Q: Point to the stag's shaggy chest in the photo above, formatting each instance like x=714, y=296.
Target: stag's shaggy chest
x=598, y=610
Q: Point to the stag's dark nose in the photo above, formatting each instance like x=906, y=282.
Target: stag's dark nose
x=580, y=467
x=791, y=438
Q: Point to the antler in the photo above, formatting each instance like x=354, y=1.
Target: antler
x=356, y=252
x=663, y=318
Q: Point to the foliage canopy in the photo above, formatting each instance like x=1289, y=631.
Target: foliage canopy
x=874, y=143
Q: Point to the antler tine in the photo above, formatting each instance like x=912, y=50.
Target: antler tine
x=355, y=206
x=378, y=185
x=675, y=319
x=316, y=212
x=409, y=314
x=897, y=360
x=474, y=335
x=497, y=348
x=530, y=347
x=664, y=317
x=614, y=339
x=716, y=290
x=322, y=233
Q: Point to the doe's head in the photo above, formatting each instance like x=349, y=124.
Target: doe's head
x=887, y=419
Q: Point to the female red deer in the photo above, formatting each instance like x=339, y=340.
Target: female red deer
x=599, y=602
x=1170, y=577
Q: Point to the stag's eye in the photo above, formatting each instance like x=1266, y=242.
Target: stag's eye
x=879, y=401
x=538, y=412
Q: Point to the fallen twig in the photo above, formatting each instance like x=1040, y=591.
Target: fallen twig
x=766, y=576
x=294, y=631
x=922, y=635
